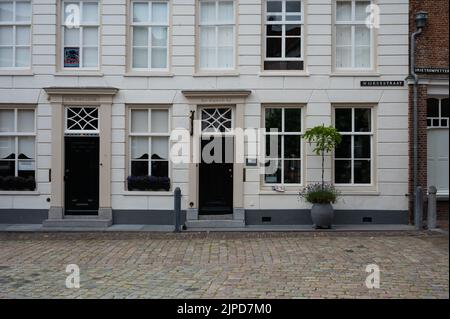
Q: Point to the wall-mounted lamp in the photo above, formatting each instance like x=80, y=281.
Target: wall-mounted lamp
x=421, y=18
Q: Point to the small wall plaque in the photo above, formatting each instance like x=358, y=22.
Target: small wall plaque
x=382, y=83
x=432, y=70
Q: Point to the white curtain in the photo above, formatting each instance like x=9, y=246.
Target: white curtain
x=343, y=11
x=360, y=10
x=140, y=12
x=90, y=57
x=343, y=46
x=140, y=36
x=6, y=35
x=160, y=147
x=140, y=58
x=207, y=12
x=160, y=120
x=207, y=47
x=6, y=11
x=159, y=12
x=6, y=146
x=6, y=121
x=139, y=121
x=139, y=147
x=90, y=36
x=26, y=146
x=362, y=47
x=90, y=12
x=71, y=37
x=226, y=12
x=25, y=121
x=23, y=11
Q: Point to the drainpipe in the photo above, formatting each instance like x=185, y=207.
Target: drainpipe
x=420, y=19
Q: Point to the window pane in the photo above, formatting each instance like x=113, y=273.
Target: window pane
x=139, y=168
x=342, y=172
x=25, y=121
x=293, y=48
x=22, y=35
x=362, y=146
x=159, y=37
x=293, y=29
x=362, y=35
x=225, y=57
x=226, y=36
x=207, y=12
x=140, y=12
x=90, y=36
x=70, y=9
x=139, y=121
x=26, y=169
x=26, y=147
x=6, y=57
x=226, y=12
x=90, y=56
x=344, y=149
x=292, y=172
x=159, y=13
x=343, y=11
x=362, y=172
x=360, y=10
x=160, y=168
x=22, y=57
x=140, y=36
x=293, y=6
x=292, y=146
x=160, y=121
x=159, y=58
x=6, y=11
x=7, y=147
x=343, y=35
x=273, y=172
x=362, y=57
x=274, y=29
x=362, y=120
x=343, y=120
x=274, y=6
x=160, y=148
x=208, y=58
x=7, y=168
x=444, y=108
x=274, y=18
x=273, y=146
x=432, y=108
x=6, y=121
x=90, y=12
x=139, y=147
x=273, y=119
x=292, y=120
x=71, y=37
x=273, y=47
x=140, y=58
x=436, y=122
x=23, y=11
x=207, y=36
x=6, y=35
x=343, y=57
x=293, y=18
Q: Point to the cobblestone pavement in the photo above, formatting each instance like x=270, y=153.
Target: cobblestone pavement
x=224, y=265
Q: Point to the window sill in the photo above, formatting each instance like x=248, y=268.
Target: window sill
x=283, y=73
x=215, y=74
x=148, y=74
x=19, y=193
x=355, y=73
x=16, y=72
x=147, y=193
x=78, y=73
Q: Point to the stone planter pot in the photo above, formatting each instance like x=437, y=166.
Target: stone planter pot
x=322, y=215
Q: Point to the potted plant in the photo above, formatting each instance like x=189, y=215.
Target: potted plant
x=321, y=195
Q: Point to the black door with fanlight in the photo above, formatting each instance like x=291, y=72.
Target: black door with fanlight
x=216, y=176
x=81, y=175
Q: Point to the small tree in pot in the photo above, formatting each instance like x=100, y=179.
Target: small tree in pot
x=325, y=139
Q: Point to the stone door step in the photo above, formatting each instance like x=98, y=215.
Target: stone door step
x=193, y=224
x=72, y=222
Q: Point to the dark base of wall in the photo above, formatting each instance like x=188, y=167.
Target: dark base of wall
x=23, y=216
x=341, y=217
x=146, y=217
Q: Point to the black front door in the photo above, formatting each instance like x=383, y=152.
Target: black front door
x=216, y=176
x=81, y=175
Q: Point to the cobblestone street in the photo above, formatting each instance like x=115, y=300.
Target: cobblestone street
x=224, y=265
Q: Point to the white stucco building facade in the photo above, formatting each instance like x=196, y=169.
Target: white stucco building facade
x=144, y=68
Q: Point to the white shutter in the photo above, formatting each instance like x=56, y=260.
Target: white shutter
x=438, y=140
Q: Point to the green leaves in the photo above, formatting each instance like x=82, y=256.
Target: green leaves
x=325, y=138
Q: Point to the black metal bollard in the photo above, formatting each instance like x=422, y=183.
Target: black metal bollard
x=177, y=208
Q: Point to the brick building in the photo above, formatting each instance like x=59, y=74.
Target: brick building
x=432, y=63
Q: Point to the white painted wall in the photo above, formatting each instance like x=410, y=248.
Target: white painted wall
x=318, y=92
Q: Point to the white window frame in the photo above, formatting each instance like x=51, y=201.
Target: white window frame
x=216, y=25
x=353, y=134
x=149, y=136
x=440, y=117
x=150, y=26
x=16, y=24
x=283, y=23
x=80, y=28
x=353, y=23
x=283, y=133
x=16, y=134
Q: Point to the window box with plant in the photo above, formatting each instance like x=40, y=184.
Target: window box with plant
x=322, y=195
